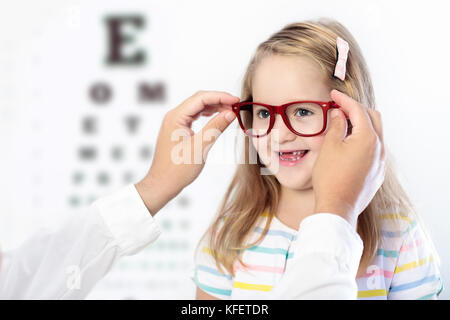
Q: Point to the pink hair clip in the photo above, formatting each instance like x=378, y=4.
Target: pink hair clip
x=342, y=49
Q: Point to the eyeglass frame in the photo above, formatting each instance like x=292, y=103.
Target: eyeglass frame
x=281, y=110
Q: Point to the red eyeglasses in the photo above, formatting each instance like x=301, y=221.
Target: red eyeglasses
x=305, y=118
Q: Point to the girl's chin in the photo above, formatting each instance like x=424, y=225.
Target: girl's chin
x=297, y=180
x=296, y=183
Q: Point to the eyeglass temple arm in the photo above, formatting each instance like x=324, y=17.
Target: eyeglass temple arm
x=334, y=105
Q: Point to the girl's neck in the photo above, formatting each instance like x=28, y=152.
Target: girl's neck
x=294, y=206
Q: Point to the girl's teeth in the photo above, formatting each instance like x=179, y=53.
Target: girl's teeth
x=298, y=154
x=291, y=159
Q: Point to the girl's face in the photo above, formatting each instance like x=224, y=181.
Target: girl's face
x=279, y=80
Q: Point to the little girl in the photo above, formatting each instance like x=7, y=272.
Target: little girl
x=247, y=248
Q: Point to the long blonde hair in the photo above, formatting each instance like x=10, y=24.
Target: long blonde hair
x=250, y=193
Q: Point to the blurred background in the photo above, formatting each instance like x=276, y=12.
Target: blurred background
x=84, y=86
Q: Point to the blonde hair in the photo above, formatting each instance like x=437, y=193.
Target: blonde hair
x=250, y=194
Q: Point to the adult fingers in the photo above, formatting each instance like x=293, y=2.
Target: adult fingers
x=216, y=108
x=337, y=127
x=357, y=113
x=197, y=102
x=375, y=117
x=214, y=128
x=210, y=110
x=226, y=106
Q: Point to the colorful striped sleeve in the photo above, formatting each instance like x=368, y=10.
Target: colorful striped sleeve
x=416, y=274
x=207, y=276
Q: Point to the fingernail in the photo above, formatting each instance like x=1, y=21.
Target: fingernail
x=230, y=116
x=336, y=91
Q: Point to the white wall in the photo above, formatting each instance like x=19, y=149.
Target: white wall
x=51, y=52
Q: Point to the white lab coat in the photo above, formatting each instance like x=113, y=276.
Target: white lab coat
x=67, y=263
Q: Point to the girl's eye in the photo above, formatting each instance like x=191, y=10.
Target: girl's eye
x=303, y=112
x=263, y=114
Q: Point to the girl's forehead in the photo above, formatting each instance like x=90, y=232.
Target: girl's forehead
x=279, y=79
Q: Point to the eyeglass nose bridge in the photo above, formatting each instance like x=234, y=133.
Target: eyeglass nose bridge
x=280, y=110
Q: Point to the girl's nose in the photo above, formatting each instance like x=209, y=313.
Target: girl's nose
x=280, y=132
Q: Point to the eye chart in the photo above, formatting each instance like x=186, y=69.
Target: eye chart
x=83, y=95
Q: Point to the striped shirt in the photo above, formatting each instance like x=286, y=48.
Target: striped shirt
x=405, y=267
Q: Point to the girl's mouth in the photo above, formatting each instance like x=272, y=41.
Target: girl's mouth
x=291, y=158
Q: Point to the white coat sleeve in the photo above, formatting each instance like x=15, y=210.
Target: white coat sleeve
x=68, y=262
x=326, y=258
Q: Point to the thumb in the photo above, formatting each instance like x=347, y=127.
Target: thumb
x=214, y=128
x=338, y=126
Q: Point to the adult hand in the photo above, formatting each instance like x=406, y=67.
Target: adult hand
x=180, y=153
x=349, y=169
